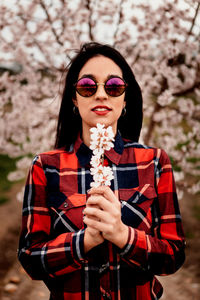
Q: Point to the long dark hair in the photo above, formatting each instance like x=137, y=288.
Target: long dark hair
x=70, y=124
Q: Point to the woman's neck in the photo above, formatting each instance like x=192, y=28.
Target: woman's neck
x=86, y=137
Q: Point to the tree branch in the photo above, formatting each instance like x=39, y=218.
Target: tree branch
x=195, y=85
x=90, y=25
x=119, y=22
x=188, y=90
x=193, y=21
x=50, y=22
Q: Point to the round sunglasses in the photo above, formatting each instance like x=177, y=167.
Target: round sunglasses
x=87, y=87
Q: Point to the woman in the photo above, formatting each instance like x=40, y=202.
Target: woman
x=105, y=242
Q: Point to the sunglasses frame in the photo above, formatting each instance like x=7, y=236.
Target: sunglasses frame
x=104, y=84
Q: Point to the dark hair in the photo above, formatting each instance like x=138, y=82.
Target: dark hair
x=70, y=124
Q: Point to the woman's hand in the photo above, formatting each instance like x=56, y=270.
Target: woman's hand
x=93, y=237
x=103, y=213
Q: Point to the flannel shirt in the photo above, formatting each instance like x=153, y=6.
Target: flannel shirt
x=52, y=238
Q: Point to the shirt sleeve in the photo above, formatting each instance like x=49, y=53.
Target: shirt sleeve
x=41, y=256
x=161, y=253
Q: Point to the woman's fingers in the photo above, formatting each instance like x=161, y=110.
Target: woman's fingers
x=103, y=203
x=98, y=225
x=97, y=214
x=99, y=201
x=105, y=191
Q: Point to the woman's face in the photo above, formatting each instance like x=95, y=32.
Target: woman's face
x=100, y=107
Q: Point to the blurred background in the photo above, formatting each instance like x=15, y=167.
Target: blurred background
x=161, y=42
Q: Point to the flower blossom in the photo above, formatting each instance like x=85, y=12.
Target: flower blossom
x=101, y=140
x=95, y=161
x=102, y=175
x=165, y=98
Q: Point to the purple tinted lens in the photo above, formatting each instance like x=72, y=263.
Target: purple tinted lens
x=86, y=87
x=115, y=87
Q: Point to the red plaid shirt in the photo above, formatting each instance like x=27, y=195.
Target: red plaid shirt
x=51, y=244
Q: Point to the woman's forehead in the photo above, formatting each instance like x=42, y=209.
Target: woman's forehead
x=100, y=66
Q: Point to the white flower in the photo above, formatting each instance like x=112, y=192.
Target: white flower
x=101, y=140
x=97, y=173
x=102, y=175
x=97, y=133
x=97, y=149
x=96, y=170
x=165, y=98
x=95, y=161
x=107, y=175
x=106, y=143
x=95, y=184
x=98, y=128
x=109, y=132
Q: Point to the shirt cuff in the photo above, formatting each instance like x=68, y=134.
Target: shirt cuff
x=77, y=246
x=130, y=243
x=135, y=251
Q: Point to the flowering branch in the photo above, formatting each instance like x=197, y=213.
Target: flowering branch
x=101, y=139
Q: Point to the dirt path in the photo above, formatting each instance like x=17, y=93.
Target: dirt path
x=16, y=285
x=180, y=286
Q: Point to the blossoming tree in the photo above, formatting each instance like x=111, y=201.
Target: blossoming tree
x=160, y=42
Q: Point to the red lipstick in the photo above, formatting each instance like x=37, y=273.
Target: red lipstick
x=101, y=110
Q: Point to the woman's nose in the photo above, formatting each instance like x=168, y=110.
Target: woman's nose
x=101, y=93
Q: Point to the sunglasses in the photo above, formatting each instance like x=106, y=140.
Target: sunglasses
x=87, y=87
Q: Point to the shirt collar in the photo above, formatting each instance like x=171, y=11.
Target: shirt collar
x=84, y=154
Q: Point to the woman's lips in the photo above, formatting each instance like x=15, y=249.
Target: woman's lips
x=101, y=110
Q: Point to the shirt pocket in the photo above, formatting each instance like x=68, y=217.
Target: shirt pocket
x=136, y=206
x=67, y=210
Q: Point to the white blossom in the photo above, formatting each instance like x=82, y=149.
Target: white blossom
x=195, y=188
x=23, y=163
x=165, y=98
x=178, y=176
x=101, y=140
x=95, y=160
x=95, y=184
x=20, y=195
x=16, y=175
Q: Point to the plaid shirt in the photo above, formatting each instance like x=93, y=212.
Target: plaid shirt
x=51, y=244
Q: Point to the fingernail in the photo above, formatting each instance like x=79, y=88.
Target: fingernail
x=88, y=191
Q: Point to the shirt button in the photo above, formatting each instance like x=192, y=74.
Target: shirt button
x=65, y=205
x=108, y=297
